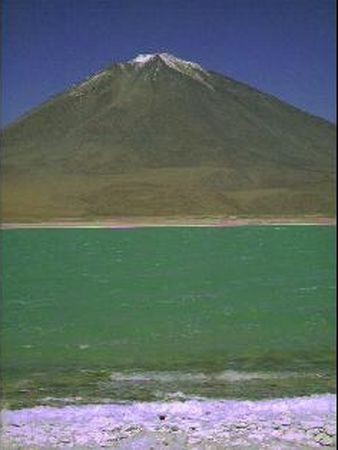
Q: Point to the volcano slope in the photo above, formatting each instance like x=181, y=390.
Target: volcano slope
x=158, y=136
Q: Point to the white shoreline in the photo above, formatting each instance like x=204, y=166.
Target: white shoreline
x=141, y=222
x=290, y=423
x=25, y=226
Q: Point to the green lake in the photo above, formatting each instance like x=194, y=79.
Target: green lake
x=99, y=315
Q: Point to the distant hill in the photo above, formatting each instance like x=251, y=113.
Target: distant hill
x=159, y=136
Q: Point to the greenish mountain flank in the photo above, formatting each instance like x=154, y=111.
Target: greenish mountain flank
x=159, y=136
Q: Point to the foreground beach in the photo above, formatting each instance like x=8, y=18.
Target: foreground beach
x=294, y=423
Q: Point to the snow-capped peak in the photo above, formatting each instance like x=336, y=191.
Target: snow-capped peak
x=142, y=59
x=188, y=68
x=170, y=60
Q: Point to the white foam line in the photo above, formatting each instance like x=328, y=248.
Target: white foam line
x=231, y=376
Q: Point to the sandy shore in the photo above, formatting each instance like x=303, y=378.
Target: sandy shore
x=133, y=222
x=304, y=422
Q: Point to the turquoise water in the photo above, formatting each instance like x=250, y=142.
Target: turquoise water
x=159, y=313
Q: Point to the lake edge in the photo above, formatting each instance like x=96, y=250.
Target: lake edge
x=140, y=222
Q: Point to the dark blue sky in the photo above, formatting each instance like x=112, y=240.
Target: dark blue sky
x=283, y=47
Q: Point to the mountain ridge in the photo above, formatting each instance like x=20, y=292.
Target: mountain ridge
x=109, y=65
x=160, y=113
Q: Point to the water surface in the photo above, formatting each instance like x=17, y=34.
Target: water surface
x=161, y=313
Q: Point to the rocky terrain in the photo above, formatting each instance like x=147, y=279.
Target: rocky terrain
x=297, y=423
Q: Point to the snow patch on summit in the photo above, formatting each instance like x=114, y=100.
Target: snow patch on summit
x=142, y=59
x=191, y=69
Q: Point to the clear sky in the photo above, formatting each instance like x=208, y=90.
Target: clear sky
x=283, y=47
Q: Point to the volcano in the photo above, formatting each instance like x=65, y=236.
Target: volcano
x=161, y=136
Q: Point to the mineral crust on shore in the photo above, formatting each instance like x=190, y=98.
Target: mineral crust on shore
x=297, y=423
